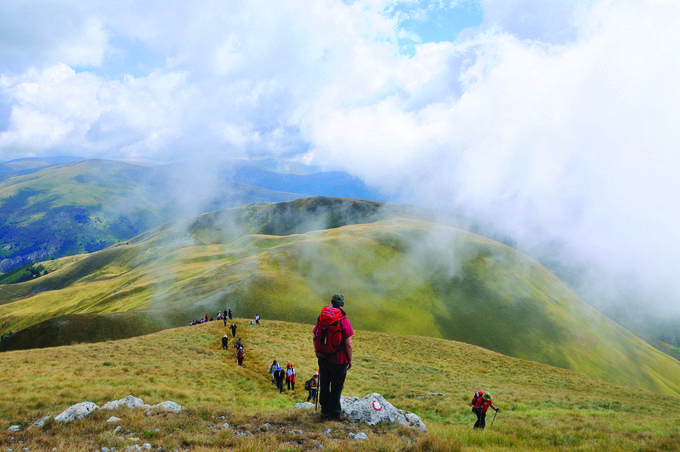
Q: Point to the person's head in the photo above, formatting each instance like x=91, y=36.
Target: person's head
x=315, y=375
x=338, y=300
x=487, y=396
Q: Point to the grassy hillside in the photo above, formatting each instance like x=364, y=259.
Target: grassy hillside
x=87, y=206
x=542, y=407
x=399, y=274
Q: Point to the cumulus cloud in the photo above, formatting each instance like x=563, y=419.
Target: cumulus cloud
x=554, y=121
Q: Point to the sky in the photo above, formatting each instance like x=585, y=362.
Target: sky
x=557, y=121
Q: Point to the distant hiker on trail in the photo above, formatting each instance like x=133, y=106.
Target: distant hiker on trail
x=257, y=319
x=225, y=315
x=206, y=317
x=224, y=319
x=481, y=402
x=272, y=369
x=290, y=377
x=225, y=342
x=240, y=354
x=333, y=347
x=238, y=344
x=230, y=314
x=312, y=385
x=219, y=315
x=233, y=330
x=279, y=375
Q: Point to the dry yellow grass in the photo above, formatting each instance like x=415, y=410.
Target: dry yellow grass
x=542, y=407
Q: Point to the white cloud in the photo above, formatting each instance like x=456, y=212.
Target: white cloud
x=555, y=120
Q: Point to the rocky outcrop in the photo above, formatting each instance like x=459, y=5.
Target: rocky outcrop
x=82, y=409
x=77, y=411
x=373, y=409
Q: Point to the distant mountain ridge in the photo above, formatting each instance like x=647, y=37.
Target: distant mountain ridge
x=63, y=206
x=400, y=274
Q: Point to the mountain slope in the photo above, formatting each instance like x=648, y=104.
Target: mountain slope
x=89, y=205
x=400, y=274
x=541, y=407
x=57, y=207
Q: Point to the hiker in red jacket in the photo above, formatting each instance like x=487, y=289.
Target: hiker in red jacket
x=333, y=347
x=481, y=402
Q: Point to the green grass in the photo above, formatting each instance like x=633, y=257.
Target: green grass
x=400, y=275
x=542, y=407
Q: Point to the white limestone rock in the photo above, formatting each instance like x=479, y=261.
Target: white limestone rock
x=77, y=411
x=373, y=409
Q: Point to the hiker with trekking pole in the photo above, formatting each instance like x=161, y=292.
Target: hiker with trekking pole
x=311, y=386
x=481, y=402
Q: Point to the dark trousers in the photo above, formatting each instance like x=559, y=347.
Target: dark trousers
x=331, y=381
x=240, y=361
x=279, y=384
x=481, y=419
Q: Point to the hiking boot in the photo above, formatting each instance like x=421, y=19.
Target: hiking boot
x=342, y=417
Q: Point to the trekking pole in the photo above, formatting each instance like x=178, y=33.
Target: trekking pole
x=318, y=387
x=494, y=418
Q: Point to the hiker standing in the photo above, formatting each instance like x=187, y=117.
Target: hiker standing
x=257, y=319
x=230, y=314
x=312, y=385
x=481, y=402
x=225, y=342
x=238, y=344
x=240, y=354
x=279, y=375
x=272, y=369
x=233, y=330
x=290, y=377
x=333, y=347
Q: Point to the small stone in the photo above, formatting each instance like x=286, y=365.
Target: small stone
x=14, y=428
x=41, y=422
x=361, y=436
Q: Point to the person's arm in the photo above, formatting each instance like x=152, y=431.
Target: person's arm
x=348, y=351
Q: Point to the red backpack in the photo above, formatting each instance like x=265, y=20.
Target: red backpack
x=328, y=333
x=478, y=395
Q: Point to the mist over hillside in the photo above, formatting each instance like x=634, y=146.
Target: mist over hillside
x=57, y=207
x=400, y=273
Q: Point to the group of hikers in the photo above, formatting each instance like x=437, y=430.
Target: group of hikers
x=332, y=337
x=279, y=375
x=220, y=316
